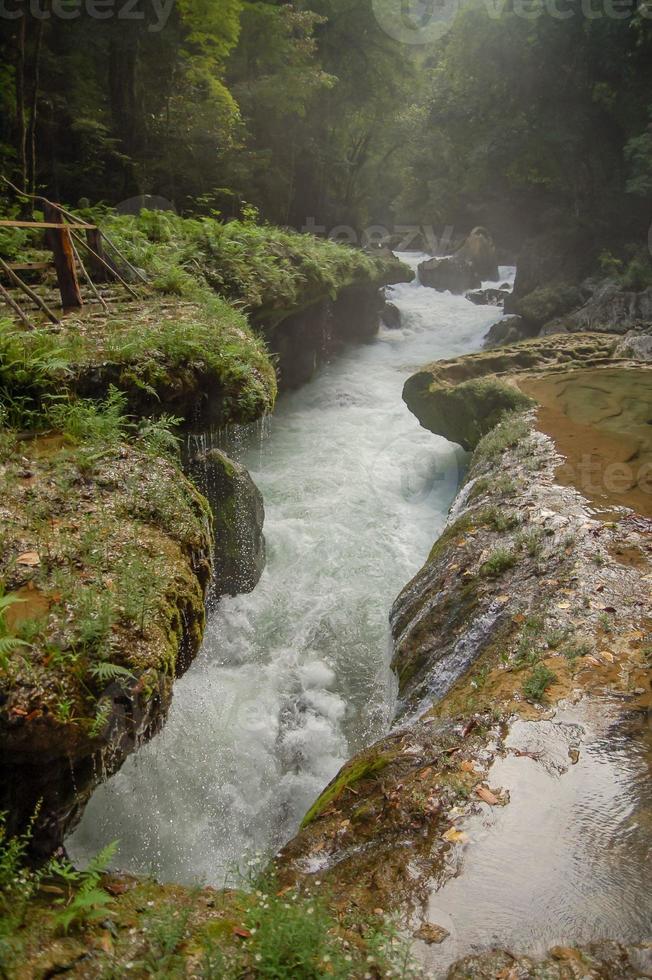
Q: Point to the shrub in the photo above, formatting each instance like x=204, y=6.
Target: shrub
x=538, y=683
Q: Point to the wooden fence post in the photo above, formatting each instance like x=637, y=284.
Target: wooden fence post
x=64, y=258
x=98, y=271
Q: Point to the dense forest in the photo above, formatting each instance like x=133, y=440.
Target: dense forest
x=325, y=489
x=521, y=120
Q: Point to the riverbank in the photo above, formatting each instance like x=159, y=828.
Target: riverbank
x=107, y=548
x=523, y=644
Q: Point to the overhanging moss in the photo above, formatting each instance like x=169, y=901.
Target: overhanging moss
x=367, y=766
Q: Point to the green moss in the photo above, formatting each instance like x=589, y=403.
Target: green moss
x=367, y=766
x=547, y=302
x=464, y=412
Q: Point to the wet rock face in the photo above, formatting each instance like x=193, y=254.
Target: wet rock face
x=464, y=398
x=391, y=316
x=304, y=340
x=609, y=310
x=480, y=251
x=239, y=515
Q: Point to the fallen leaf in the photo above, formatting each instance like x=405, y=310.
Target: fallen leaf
x=563, y=605
x=486, y=795
x=425, y=773
x=455, y=836
x=30, y=558
x=106, y=942
x=242, y=933
x=467, y=766
x=608, y=655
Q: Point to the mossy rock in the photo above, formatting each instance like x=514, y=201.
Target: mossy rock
x=547, y=302
x=366, y=766
x=463, y=413
x=239, y=515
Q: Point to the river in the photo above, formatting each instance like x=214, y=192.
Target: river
x=294, y=679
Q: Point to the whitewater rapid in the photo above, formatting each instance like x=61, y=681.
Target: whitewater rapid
x=294, y=678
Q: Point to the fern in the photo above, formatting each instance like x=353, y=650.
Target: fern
x=106, y=672
x=90, y=900
x=8, y=643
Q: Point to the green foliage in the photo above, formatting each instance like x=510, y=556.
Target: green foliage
x=498, y=562
x=267, y=269
x=509, y=433
x=296, y=937
x=8, y=642
x=102, y=423
x=105, y=672
x=88, y=900
x=538, y=682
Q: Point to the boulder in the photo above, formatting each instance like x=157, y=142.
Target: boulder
x=239, y=515
x=451, y=273
x=473, y=261
x=488, y=297
x=391, y=316
x=480, y=251
x=545, y=303
x=509, y=330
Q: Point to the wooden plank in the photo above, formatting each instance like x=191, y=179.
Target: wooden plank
x=64, y=259
x=22, y=266
x=41, y=224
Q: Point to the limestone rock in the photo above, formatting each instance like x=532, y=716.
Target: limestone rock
x=609, y=310
x=474, y=261
x=239, y=515
x=509, y=330
x=451, y=273
x=391, y=316
x=488, y=297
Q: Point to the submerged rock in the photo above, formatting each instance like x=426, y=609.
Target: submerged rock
x=606, y=959
x=488, y=297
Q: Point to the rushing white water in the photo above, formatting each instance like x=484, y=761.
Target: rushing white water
x=294, y=678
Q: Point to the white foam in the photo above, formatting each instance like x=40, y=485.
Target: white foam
x=295, y=678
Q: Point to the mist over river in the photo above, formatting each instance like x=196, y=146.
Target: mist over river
x=294, y=678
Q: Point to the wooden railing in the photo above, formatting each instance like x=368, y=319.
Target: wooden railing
x=63, y=237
